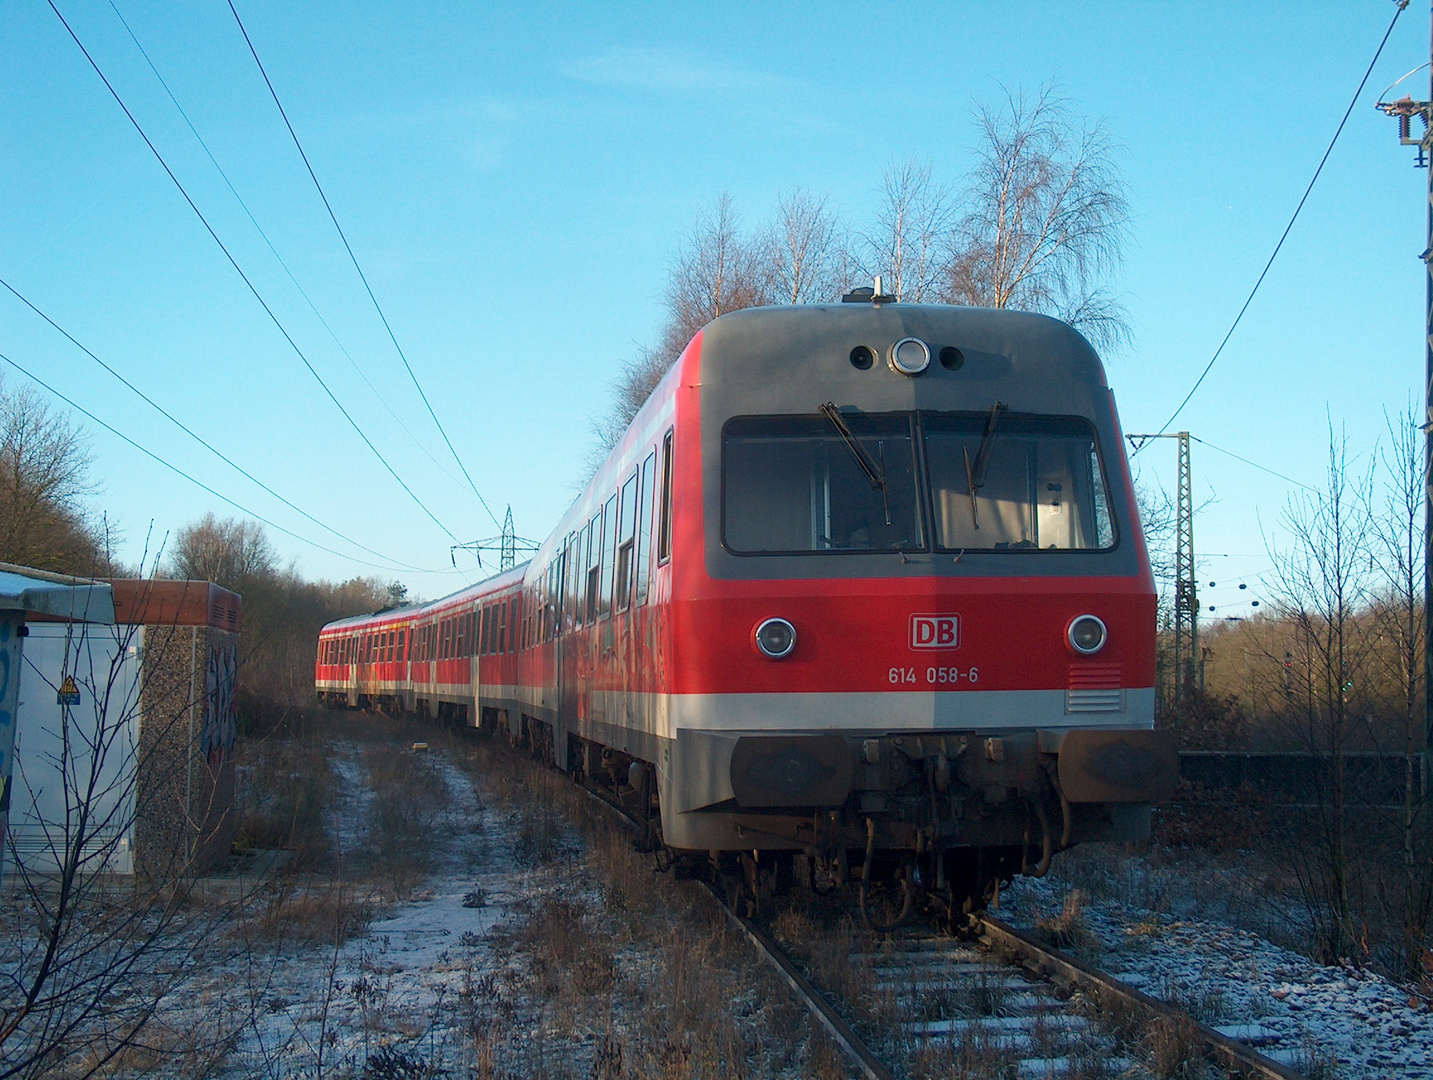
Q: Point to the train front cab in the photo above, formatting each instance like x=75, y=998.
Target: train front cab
x=915, y=620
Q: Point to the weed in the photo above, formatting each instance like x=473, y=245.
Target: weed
x=1174, y=1050
x=1069, y=930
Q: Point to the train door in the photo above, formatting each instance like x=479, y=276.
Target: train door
x=475, y=718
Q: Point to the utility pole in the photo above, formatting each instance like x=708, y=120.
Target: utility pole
x=1186, y=596
x=1404, y=110
x=507, y=544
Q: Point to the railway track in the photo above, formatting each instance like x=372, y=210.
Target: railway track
x=1025, y=1009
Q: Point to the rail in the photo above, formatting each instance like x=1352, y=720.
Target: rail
x=1238, y=1059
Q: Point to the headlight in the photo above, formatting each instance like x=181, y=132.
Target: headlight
x=775, y=638
x=910, y=356
x=1087, y=634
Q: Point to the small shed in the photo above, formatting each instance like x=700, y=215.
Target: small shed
x=140, y=715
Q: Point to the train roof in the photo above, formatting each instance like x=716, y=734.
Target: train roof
x=408, y=612
x=995, y=344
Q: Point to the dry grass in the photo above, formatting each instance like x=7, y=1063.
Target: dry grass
x=1069, y=929
x=406, y=818
x=1174, y=1050
x=631, y=975
x=283, y=795
x=316, y=914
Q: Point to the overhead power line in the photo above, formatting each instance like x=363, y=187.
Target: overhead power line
x=274, y=251
x=1287, y=228
x=198, y=438
x=1254, y=464
x=199, y=483
x=361, y=275
x=239, y=270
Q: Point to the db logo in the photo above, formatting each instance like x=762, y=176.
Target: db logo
x=935, y=631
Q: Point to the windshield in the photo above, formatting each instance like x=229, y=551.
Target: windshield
x=795, y=483
x=1039, y=484
x=995, y=481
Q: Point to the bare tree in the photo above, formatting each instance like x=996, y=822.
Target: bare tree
x=1045, y=218
x=717, y=270
x=804, y=249
x=1400, y=616
x=908, y=240
x=229, y=552
x=1321, y=585
x=44, y=481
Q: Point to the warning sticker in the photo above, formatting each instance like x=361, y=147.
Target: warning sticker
x=69, y=693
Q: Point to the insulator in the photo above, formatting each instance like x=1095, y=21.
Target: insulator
x=1403, y=125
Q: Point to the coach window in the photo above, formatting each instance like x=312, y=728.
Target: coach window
x=576, y=572
x=502, y=627
x=642, y=549
x=626, y=541
x=402, y=641
x=609, y=555
x=664, y=527
x=461, y=646
x=473, y=632
x=594, y=570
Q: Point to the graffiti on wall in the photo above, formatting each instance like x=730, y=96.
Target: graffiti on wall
x=221, y=724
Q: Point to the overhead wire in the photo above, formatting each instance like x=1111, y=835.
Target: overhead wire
x=274, y=251
x=1287, y=228
x=239, y=270
x=354, y=258
x=1253, y=464
x=196, y=436
x=197, y=482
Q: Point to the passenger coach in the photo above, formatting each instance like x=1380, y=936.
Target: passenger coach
x=864, y=581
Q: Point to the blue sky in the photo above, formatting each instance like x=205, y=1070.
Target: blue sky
x=516, y=180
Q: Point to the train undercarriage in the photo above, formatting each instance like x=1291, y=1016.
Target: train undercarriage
x=907, y=821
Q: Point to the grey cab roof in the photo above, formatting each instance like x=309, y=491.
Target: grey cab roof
x=997, y=346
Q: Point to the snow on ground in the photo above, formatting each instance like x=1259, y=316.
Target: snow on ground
x=511, y=958
x=391, y=994
x=1348, y=1022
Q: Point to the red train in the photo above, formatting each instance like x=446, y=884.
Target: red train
x=863, y=581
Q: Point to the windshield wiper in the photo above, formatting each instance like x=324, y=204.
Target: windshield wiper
x=876, y=474
x=975, y=471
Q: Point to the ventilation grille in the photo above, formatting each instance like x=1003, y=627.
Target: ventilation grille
x=224, y=613
x=1094, y=688
x=102, y=853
